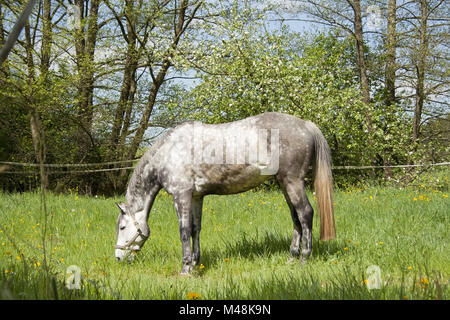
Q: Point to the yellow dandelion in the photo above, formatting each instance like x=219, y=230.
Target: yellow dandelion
x=380, y=243
x=193, y=295
x=366, y=281
x=409, y=268
x=227, y=260
x=415, y=199
x=18, y=258
x=345, y=248
x=201, y=266
x=445, y=196
x=424, y=282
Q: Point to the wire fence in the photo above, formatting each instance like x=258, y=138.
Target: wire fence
x=74, y=165
x=396, y=166
x=86, y=177
x=66, y=165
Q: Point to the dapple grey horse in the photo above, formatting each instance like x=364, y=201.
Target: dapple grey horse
x=194, y=159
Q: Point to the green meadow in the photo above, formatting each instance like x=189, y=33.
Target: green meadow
x=245, y=241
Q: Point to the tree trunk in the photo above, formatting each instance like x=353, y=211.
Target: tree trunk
x=390, y=45
x=420, y=69
x=37, y=131
x=85, y=42
x=390, y=68
x=15, y=32
x=4, y=70
x=128, y=86
x=46, y=40
x=361, y=61
x=157, y=82
x=180, y=25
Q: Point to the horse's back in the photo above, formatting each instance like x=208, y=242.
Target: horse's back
x=216, y=158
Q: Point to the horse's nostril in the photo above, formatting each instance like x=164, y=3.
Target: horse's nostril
x=117, y=258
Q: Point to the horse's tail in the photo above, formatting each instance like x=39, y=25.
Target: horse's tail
x=323, y=183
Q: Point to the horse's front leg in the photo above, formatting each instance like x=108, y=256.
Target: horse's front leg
x=183, y=203
x=196, y=209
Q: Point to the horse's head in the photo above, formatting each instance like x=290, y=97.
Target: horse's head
x=132, y=231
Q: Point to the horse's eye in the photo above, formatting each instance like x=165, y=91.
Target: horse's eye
x=123, y=227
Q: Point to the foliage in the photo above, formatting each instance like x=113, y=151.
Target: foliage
x=103, y=101
x=312, y=78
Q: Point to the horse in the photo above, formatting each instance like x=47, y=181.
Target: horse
x=194, y=159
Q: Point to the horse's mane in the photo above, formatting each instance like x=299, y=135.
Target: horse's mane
x=139, y=181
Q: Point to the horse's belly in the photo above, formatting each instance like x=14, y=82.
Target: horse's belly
x=226, y=179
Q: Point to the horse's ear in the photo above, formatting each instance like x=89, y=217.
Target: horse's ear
x=122, y=207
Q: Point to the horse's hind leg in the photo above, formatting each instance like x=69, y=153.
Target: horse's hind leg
x=196, y=210
x=183, y=204
x=302, y=216
x=295, y=243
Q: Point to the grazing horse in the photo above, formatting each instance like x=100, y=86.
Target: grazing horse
x=195, y=159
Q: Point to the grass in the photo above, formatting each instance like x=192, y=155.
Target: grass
x=245, y=243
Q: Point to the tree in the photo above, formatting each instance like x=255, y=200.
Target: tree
x=168, y=21
x=361, y=61
x=400, y=41
x=98, y=80
x=85, y=44
x=424, y=64
x=256, y=72
x=390, y=56
x=346, y=16
x=15, y=32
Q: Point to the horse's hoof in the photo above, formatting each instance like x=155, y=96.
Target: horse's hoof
x=291, y=260
x=186, y=272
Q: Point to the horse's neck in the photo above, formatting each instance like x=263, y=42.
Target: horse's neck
x=140, y=187
x=143, y=185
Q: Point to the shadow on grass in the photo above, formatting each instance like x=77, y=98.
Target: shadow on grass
x=256, y=247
